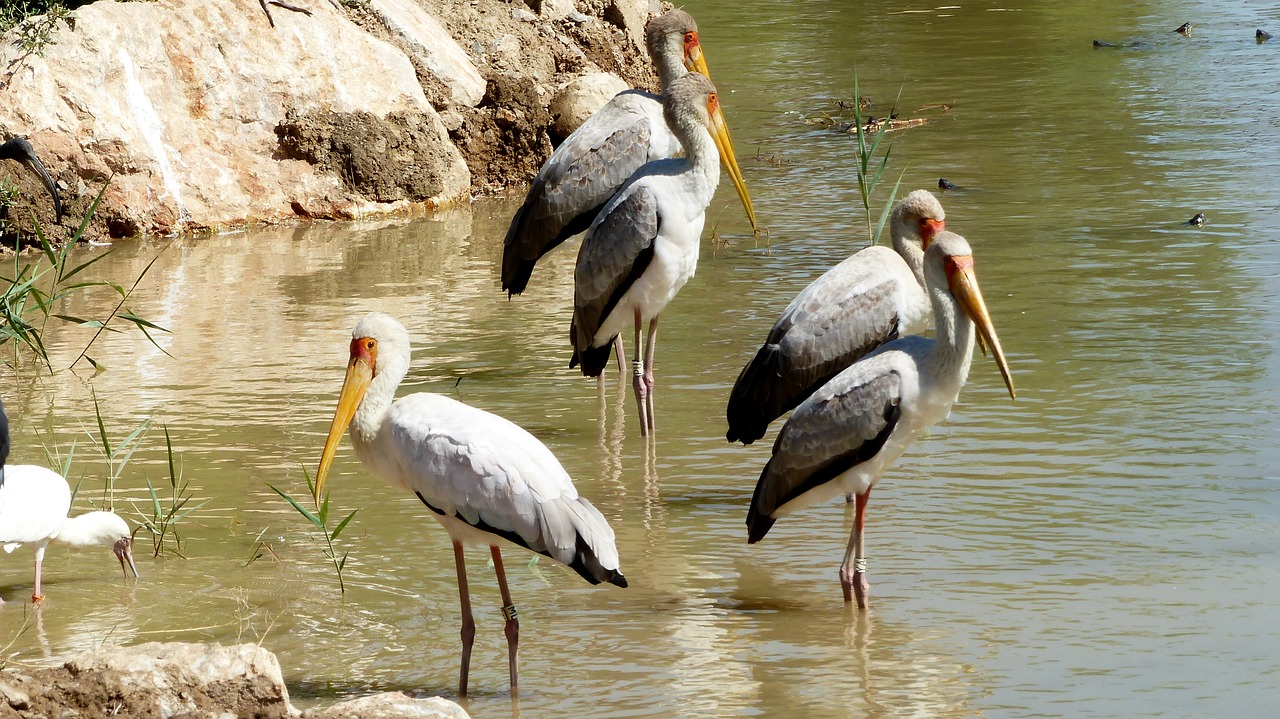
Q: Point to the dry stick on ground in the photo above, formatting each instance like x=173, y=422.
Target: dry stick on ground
x=287, y=6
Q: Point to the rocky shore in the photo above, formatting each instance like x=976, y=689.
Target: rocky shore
x=186, y=681
x=203, y=115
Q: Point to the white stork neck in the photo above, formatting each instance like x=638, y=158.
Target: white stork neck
x=670, y=65
x=911, y=252
x=701, y=157
x=953, y=341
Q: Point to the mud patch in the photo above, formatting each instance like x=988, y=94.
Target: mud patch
x=505, y=139
x=404, y=156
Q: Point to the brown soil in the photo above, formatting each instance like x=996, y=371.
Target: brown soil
x=385, y=159
x=507, y=137
x=32, y=207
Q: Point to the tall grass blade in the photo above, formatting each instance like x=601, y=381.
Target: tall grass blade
x=301, y=509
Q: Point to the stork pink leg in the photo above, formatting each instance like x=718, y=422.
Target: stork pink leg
x=37, y=596
x=648, y=371
x=512, y=628
x=637, y=379
x=620, y=353
x=853, y=572
x=468, y=622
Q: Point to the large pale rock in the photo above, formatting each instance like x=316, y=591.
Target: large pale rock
x=390, y=705
x=630, y=16
x=159, y=680
x=581, y=98
x=178, y=102
x=432, y=49
x=186, y=681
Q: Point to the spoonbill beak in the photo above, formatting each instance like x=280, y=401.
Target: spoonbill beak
x=124, y=552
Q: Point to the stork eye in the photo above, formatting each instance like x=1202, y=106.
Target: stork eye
x=370, y=344
x=691, y=38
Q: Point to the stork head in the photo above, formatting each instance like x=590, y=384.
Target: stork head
x=695, y=94
x=675, y=34
x=950, y=257
x=917, y=218
x=379, y=358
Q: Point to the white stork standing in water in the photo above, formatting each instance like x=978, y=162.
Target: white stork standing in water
x=591, y=164
x=486, y=480
x=873, y=297
x=643, y=246
x=842, y=438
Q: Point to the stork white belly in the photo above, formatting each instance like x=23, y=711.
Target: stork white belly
x=674, y=263
x=855, y=480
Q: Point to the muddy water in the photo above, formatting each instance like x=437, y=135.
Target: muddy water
x=1102, y=547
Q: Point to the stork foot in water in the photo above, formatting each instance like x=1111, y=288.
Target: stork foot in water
x=853, y=574
x=642, y=380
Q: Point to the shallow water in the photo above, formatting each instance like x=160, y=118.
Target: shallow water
x=1103, y=546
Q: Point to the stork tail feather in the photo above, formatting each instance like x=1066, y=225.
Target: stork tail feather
x=592, y=359
x=753, y=404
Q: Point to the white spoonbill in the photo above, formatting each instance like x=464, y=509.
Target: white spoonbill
x=34, y=502
x=486, y=480
x=842, y=438
x=593, y=162
x=643, y=246
x=874, y=296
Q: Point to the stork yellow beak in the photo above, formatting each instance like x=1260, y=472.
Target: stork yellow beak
x=354, y=385
x=720, y=133
x=695, y=61
x=964, y=285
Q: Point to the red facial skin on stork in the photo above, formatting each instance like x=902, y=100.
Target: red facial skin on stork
x=692, y=48
x=693, y=59
x=365, y=349
x=929, y=228
x=955, y=264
